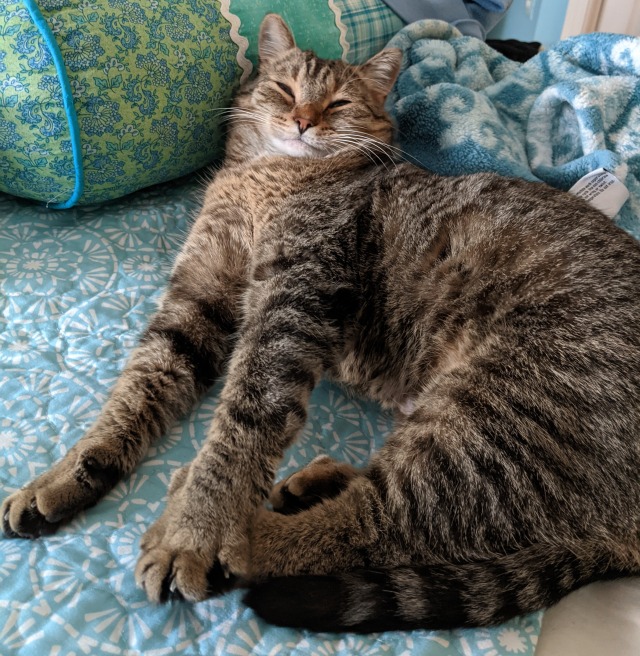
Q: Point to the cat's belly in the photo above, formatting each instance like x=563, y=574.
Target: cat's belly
x=389, y=393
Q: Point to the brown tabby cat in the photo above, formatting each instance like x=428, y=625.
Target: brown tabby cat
x=503, y=317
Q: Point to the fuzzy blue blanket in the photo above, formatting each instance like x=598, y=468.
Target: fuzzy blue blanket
x=461, y=107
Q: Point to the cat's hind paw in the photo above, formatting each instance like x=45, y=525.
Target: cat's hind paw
x=322, y=478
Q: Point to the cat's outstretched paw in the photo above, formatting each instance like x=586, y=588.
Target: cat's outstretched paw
x=22, y=518
x=322, y=478
x=166, y=575
x=177, y=563
x=71, y=485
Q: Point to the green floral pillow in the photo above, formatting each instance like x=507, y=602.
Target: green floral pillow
x=99, y=98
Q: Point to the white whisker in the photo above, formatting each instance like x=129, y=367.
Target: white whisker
x=391, y=148
x=358, y=145
x=374, y=145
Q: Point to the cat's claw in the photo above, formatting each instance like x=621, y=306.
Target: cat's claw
x=221, y=579
x=21, y=517
x=6, y=526
x=167, y=576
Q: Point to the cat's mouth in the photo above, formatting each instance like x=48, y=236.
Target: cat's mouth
x=297, y=147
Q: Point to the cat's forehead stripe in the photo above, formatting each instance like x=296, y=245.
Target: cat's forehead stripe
x=315, y=74
x=325, y=73
x=311, y=66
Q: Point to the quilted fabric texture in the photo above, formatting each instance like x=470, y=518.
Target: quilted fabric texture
x=76, y=290
x=102, y=97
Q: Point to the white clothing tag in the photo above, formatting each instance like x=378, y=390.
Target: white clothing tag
x=603, y=190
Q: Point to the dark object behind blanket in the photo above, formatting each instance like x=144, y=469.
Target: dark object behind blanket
x=520, y=51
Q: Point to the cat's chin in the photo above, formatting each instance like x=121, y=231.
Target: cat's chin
x=296, y=148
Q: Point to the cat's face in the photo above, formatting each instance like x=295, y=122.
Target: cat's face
x=304, y=106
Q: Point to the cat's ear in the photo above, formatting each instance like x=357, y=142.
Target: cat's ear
x=275, y=38
x=381, y=71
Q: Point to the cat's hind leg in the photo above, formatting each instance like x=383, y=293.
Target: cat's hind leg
x=341, y=532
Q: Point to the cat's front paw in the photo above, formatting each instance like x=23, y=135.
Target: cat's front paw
x=166, y=573
x=184, y=558
x=22, y=517
x=74, y=483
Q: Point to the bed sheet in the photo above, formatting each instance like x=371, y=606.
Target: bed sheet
x=77, y=288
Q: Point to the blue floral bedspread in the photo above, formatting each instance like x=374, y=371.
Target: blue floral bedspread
x=76, y=290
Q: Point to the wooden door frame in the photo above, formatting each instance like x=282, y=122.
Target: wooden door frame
x=581, y=17
x=584, y=16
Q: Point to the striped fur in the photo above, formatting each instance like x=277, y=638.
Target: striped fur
x=500, y=318
x=438, y=596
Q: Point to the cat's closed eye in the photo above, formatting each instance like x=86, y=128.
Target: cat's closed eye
x=338, y=103
x=287, y=89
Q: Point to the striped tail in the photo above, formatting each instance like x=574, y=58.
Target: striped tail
x=431, y=596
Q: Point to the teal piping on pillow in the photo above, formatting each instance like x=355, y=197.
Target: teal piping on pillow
x=67, y=101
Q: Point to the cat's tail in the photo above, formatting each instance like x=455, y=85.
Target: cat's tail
x=433, y=596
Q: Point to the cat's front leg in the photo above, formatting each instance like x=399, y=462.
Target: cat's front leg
x=185, y=553
x=173, y=565
x=155, y=387
x=181, y=353
x=293, y=332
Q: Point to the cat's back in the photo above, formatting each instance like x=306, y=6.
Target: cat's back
x=486, y=227
x=513, y=277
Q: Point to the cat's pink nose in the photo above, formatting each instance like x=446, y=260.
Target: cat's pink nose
x=303, y=124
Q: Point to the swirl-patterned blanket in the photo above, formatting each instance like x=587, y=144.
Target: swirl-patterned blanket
x=76, y=291
x=462, y=107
